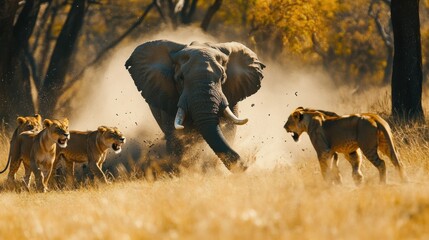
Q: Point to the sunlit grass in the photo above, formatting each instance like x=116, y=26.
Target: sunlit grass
x=285, y=202
x=281, y=203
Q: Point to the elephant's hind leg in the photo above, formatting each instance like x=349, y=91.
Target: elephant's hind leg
x=174, y=145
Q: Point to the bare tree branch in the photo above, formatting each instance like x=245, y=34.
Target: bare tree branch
x=61, y=57
x=106, y=49
x=157, y=5
x=40, y=29
x=317, y=47
x=387, y=38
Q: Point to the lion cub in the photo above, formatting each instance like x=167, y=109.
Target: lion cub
x=29, y=123
x=39, y=149
x=351, y=135
x=91, y=147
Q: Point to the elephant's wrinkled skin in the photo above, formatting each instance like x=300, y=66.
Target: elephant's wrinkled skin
x=196, y=87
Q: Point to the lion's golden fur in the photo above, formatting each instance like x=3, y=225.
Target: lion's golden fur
x=37, y=150
x=90, y=147
x=350, y=135
x=28, y=123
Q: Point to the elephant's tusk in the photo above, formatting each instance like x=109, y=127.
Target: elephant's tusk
x=178, y=121
x=233, y=118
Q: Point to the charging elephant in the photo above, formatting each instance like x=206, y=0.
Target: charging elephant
x=196, y=88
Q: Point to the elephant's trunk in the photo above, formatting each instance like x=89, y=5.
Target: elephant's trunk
x=214, y=137
x=204, y=108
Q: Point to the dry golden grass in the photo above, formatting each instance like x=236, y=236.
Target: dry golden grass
x=286, y=202
x=283, y=203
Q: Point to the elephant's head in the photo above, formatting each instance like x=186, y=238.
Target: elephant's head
x=200, y=81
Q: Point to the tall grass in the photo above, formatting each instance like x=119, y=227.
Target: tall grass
x=284, y=203
x=289, y=201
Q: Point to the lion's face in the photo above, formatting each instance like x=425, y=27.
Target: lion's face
x=58, y=131
x=111, y=136
x=31, y=123
x=295, y=124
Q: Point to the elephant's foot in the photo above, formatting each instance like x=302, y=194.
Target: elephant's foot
x=172, y=167
x=238, y=167
x=233, y=162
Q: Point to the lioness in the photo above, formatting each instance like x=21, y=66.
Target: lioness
x=43, y=149
x=91, y=147
x=29, y=123
x=351, y=135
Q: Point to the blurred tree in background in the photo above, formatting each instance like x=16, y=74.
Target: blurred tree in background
x=47, y=45
x=407, y=75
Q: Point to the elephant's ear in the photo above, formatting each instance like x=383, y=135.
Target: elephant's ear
x=243, y=70
x=152, y=70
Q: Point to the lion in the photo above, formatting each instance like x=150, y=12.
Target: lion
x=38, y=150
x=91, y=147
x=29, y=123
x=350, y=135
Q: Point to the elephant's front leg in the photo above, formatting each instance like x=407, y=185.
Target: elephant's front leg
x=176, y=149
x=175, y=146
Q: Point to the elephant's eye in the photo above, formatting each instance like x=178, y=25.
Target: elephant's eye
x=180, y=79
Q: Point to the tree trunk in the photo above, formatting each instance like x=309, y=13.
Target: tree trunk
x=109, y=47
x=407, y=74
x=8, y=10
x=188, y=11
x=16, y=96
x=22, y=32
x=209, y=14
x=60, y=60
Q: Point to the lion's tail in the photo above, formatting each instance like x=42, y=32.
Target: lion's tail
x=9, y=157
x=384, y=127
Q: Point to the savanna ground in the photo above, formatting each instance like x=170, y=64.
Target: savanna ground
x=284, y=201
x=281, y=196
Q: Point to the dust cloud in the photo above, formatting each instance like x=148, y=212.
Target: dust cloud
x=283, y=90
x=112, y=95
x=112, y=99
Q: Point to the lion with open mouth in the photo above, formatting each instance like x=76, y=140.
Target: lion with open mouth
x=352, y=135
x=43, y=147
x=91, y=147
